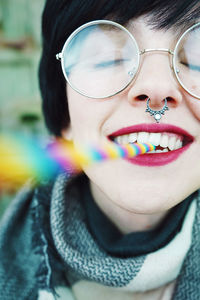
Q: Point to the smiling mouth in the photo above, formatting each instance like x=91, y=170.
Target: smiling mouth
x=164, y=141
x=170, y=141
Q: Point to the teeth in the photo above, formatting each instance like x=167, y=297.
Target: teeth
x=142, y=137
x=164, y=140
x=179, y=144
x=159, y=151
x=153, y=151
x=172, y=142
x=125, y=139
x=118, y=139
x=133, y=137
x=154, y=138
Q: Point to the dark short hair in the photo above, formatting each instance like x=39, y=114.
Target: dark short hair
x=61, y=17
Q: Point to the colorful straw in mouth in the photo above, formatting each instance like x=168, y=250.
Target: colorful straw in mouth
x=22, y=158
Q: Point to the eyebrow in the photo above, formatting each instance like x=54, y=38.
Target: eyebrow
x=179, y=26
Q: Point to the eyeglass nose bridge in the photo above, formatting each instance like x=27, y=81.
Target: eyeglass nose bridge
x=166, y=50
x=156, y=50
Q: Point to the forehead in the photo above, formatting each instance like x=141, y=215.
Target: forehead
x=143, y=27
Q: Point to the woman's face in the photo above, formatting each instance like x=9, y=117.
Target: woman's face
x=154, y=182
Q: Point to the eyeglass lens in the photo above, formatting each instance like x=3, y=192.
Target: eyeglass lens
x=100, y=60
x=187, y=61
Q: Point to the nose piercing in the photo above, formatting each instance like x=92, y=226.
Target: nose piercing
x=157, y=114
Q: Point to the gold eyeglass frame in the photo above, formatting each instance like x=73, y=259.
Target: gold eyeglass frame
x=60, y=55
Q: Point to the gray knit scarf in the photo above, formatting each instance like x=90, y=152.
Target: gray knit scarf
x=84, y=259
x=36, y=248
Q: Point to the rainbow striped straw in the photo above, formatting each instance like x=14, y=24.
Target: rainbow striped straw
x=22, y=158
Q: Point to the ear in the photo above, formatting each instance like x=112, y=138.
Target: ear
x=67, y=133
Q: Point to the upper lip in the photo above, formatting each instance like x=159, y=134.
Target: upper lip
x=153, y=128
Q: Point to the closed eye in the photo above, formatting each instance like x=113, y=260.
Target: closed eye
x=191, y=66
x=110, y=63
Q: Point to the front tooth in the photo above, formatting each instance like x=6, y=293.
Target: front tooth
x=172, y=142
x=133, y=137
x=154, y=138
x=143, y=137
x=164, y=141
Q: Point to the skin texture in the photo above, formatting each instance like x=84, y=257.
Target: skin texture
x=137, y=197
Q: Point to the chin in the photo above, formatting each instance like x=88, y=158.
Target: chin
x=140, y=191
x=149, y=201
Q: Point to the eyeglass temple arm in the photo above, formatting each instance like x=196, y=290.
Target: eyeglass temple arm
x=59, y=55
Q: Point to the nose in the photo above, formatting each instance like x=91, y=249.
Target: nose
x=155, y=80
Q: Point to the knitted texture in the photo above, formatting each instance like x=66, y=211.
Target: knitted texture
x=19, y=262
x=77, y=247
x=83, y=256
x=188, y=283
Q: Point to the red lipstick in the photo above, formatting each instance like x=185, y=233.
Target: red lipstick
x=156, y=159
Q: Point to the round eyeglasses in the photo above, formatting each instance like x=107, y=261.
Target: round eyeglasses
x=101, y=58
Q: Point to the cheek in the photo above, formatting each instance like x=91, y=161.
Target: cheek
x=88, y=117
x=81, y=113
x=194, y=106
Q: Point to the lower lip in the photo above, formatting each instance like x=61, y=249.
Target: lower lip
x=158, y=159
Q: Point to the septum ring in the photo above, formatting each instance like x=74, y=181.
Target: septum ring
x=157, y=114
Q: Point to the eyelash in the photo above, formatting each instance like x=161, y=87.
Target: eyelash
x=110, y=63
x=192, y=67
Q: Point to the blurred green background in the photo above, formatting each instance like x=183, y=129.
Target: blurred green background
x=20, y=46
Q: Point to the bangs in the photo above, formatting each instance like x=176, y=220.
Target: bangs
x=67, y=15
x=161, y=13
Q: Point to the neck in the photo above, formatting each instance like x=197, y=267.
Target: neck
x=126, y=221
